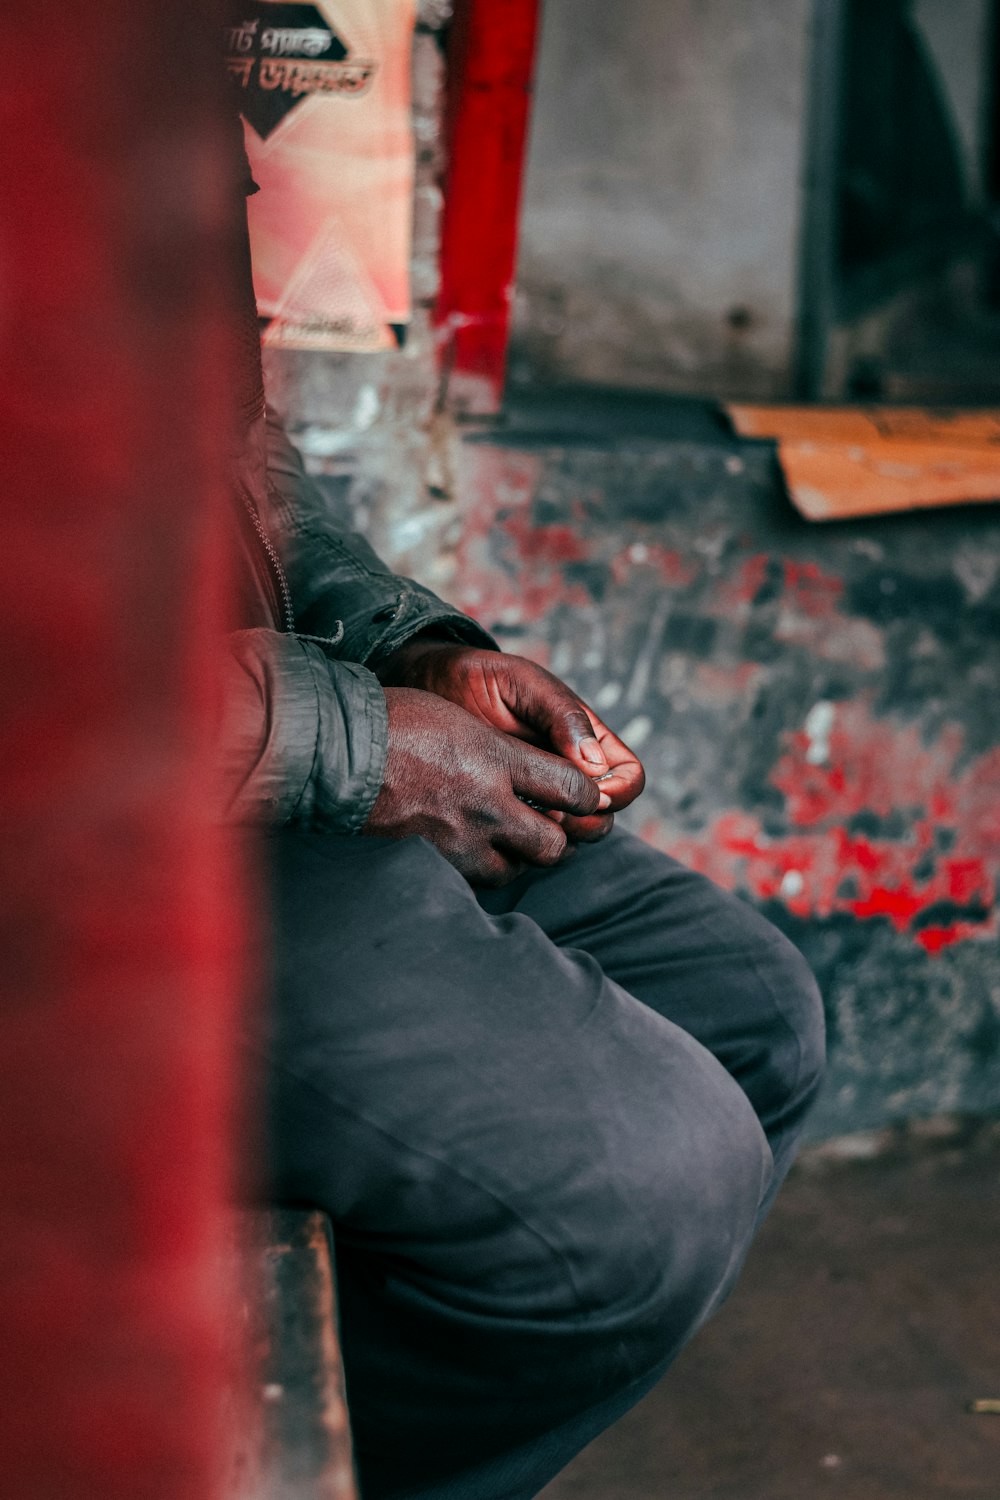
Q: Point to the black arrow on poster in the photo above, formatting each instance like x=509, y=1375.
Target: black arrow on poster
x=280, y=55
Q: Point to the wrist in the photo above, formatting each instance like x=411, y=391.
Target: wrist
x=404, y=667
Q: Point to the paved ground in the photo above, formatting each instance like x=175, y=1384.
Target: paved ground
x=844, y=1364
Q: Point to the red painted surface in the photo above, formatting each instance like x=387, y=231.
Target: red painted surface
x=948, y=857
x=811, y=613
x=929, y=862
x=509, y=572
x=490, y=63
x=114, y=1060
x=669, y=566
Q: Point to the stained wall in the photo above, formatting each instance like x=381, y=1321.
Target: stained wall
x=817, y=706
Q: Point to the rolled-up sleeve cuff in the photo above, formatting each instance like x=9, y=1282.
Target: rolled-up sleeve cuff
x=351, y=745
x=303, y=738
x=376, y=636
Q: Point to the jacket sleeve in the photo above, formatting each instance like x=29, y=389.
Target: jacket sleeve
x=302, y=738
x=341, y=592
x=304, y=729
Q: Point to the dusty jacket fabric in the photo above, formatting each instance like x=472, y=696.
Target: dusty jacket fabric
x=304, y=726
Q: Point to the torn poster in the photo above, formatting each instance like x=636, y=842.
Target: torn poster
x=324, y=90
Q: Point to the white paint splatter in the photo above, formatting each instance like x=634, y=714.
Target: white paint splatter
x=637, y=731
x=414, y=529
x=976, y=570
x=818, y=727
x=638, y=688
x=792, y=884
x=323, y=442
x=562, y=659
x=366, y=408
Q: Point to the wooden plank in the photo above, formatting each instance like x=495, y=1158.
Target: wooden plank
x=858, y=424
x=294, y=1440
x=833, y=481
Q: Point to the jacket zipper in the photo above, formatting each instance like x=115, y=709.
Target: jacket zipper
x=281, y=580
x=275, y=561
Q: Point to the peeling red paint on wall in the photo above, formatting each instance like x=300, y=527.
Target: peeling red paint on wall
x=670, y=566
x=551, y=546
x=713, y=681
x=509, y=572
x=811, y=591
x=944, y=864
x=738, y=591
x=878, y=823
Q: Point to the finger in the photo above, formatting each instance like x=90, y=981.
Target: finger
x=589, y=830
x=550, y=708
x=492, y=870
x=557, y=817
x=623, y=784
x=532, y=837
x=553, y=782
x=626, y=777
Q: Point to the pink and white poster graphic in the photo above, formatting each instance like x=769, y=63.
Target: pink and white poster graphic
x=324, y=91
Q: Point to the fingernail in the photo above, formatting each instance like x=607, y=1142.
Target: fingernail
x=592, y=751
x=604, y=803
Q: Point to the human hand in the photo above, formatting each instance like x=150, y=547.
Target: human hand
x=464, y=785
x=522, y=699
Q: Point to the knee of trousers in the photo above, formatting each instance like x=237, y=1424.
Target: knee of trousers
x=797, y=1058
x=687, y=1186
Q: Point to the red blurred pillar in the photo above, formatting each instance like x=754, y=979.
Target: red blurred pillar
x=491, y=56
x=113, y=1031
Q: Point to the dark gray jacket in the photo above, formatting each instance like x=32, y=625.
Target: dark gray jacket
x=304, y=724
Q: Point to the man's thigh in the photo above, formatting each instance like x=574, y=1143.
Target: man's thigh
x=697, y=955
x=483, y=1080
x=539, y=1184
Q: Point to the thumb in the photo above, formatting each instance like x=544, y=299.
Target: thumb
x=549, y=706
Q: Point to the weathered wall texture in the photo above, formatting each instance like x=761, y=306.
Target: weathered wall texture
x=957, y=34
x=661, y=220
x=665, y=193
x=818, y=709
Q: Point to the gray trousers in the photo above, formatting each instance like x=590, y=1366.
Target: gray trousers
x=546, y=1122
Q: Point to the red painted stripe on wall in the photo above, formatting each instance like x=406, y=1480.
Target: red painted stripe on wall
x=491, y=55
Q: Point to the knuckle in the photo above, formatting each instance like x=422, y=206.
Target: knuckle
x=493, y=871
x=551, y=845
x=596, y=829
x=580, y=789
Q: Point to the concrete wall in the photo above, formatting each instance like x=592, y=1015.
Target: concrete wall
x=667, y=577
x=660, y=233
x=957, y=35
x=817, y=708
x=664, y=201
